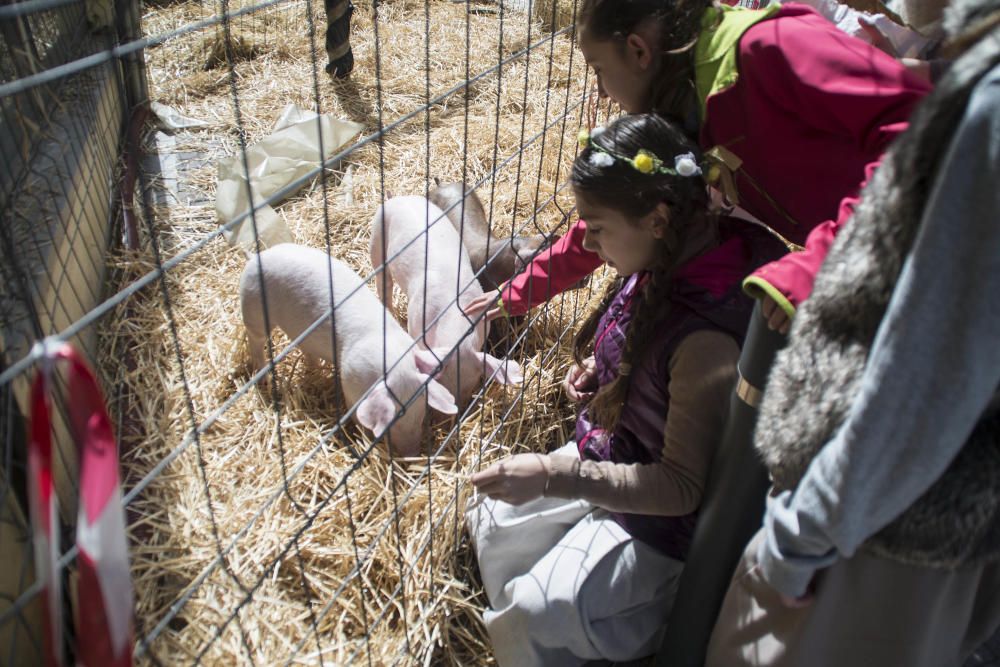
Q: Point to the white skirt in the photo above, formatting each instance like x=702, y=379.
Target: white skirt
x=566, y=583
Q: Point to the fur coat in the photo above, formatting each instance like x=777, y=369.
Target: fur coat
x=816, y=377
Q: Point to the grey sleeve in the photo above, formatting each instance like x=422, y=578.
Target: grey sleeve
x=934, y=366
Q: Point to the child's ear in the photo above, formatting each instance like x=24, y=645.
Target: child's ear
x=659, y=220
x=638, y=48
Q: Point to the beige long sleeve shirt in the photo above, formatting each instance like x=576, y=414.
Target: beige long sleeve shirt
x=702, y=376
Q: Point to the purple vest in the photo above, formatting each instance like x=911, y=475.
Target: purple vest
x=638, y=437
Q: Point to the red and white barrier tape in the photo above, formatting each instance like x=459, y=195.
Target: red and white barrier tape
x=104, y=588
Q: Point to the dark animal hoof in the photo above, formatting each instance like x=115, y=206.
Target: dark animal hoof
x=341, y=67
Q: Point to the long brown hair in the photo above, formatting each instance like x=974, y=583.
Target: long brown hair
x=621, y=186
x=679, y=23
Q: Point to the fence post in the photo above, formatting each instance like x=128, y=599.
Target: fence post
x=133, y=66
x=731, y=509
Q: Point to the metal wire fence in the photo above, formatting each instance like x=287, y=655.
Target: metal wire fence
x=263, y=526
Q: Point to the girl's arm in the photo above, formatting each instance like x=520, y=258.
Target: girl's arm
x=702, y=376
x=550, y=272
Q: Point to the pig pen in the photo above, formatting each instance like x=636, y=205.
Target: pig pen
x=265, y=528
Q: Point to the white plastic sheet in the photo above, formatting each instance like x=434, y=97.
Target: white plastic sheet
x=288, y=153
x=171, y=119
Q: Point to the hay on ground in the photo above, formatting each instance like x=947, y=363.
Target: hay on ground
x=327, y=558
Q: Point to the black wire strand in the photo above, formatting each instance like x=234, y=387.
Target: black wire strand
x=387, y=300
x=427, y=214
x=303, y=578
x=189, y=405
x=357, y=568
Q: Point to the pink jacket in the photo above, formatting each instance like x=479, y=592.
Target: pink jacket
x=809, y=116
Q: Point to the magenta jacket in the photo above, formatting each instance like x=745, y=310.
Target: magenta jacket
x=807, y=112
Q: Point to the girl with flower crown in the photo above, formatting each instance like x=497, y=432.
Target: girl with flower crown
x=580, y=550
x=793, y=114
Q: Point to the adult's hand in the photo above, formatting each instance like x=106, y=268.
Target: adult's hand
x=515, y=480
x=796, y=603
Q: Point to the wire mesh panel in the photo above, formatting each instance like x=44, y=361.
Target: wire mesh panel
x=265, y=525
x=63, y=108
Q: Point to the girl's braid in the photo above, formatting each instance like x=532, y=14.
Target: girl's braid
x=585, y=336
x=652, y=306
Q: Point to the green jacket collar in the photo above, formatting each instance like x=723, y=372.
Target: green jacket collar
x=715, y=62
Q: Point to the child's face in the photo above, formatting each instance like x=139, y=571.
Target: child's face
x=627, y=245
x=624, y=70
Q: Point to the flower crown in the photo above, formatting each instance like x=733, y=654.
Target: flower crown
x=643, y=161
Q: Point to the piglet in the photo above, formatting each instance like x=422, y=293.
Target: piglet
x=296, y=283
x=422, y=252
x=505, y=257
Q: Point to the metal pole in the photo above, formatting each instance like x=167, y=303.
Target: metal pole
x=133, y=66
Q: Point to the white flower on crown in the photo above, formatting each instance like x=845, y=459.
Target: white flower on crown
x=685, y=165
x=601, y=159
x=596, y=132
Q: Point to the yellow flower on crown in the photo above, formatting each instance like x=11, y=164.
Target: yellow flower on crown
x=644, y=161
x=583, y=138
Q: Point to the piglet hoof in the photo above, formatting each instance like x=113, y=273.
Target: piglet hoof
x=398, y=453
x=441, y=421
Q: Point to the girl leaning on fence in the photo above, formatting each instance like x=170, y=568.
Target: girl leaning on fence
x=792, y=113
x=580, y=551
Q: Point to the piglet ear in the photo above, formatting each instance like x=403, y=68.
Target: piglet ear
x=429, y=360
x=439, y=398
x=377, y=409
x=505, y=370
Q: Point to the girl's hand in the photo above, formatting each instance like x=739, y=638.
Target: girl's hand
x=482, y=303
x=777, y=319
x=801, y=601
x=796, y=603
x=515, y=480
x=581, y=381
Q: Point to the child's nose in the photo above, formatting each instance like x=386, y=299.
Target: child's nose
x=588, y=242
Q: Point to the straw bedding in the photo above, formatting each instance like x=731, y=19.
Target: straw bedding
x=327, y=558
